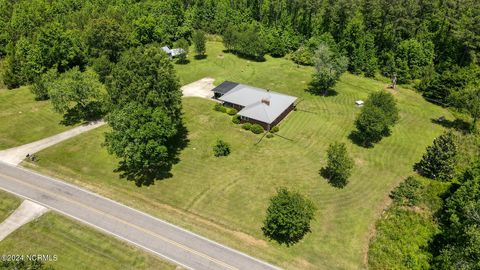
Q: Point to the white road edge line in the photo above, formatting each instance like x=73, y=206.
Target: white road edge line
x=145, y=214
x=98, y=228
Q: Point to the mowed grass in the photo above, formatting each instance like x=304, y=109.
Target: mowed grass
x=8, y=204
x=76, y=246
x=226, y=198
x=24, y=120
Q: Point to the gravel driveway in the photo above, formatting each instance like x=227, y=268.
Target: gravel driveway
x=201, y=88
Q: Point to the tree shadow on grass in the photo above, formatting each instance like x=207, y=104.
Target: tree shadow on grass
x=323, y=93
x=357, y=139
x=457, y=124
x=182, y=62
x=148, y=176
x=327, y=174
x=200, y=57
x=246, y=57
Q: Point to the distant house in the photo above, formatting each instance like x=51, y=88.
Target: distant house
x=255, y=105
x=172, y=53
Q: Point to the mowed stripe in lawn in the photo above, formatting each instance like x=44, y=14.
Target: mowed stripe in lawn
x=226, y=198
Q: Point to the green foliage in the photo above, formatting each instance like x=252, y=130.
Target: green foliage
x=231, y=111
x=236, y=119
x=408, y=193
x=245, y=39
x=401, y=241
x=247, y=126
x=41, y=85
x=288, y=217
x=143, y=138
x=378, y=115
x=103, y=67
x=24, y=265
x=182, y=44
x=359, y=46
x=199, y=40
x=440, y=159
x=60, y=48
x=219, y=108
x=24, y=65
x=412, y=58
x=339, y=165
x=256, y=129
x=221, y=149
x=329, y=66
x=145, y=75
x=468, y=101
x=460, y=245
x=77, y=95
x=305, y=54
x=438, y=87
x=148, y=30
x=275, y=129
x=106, y=36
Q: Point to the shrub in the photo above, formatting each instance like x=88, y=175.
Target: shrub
x=236, y=119
x=256, y=128
x=288, y=217
x=247, y=126
x=269, y=135
x=221, y=149
x=219, y=108
x=407, y=193
x=275, y=129
x=231, y=111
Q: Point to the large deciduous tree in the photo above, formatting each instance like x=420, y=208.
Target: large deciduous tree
x=106, y=36
x=329, y=66
x=145, y=75
x=142, y=137
x=77, y=95
x=146, y=119
x=288, y=217
x=377, y=117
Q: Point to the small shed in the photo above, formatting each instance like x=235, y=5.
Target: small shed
x=359, y=103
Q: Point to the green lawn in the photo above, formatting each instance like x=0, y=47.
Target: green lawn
x=226, y=198
x=24, y=120
x=8, y=204
x=77, y=246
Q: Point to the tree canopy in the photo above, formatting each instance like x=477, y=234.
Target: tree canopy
x=288, y=217
x=77, y=95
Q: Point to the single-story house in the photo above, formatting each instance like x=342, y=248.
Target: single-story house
x=255, y=105
x=172, y=53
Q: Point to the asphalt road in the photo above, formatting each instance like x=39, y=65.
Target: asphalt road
x=182, y=247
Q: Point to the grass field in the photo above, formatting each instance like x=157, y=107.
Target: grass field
x=77, y=246
x=24, y=120
x=226, y=198
x=8, y=204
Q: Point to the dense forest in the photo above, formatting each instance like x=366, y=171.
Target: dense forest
x=103, y=49
x=436, y=41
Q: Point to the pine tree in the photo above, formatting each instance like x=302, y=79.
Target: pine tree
x=440, y=159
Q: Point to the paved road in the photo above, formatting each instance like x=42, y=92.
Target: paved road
x=180, y=246
x=17, y=154
x=25, y=213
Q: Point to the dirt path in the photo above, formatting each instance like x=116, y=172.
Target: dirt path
x=25, y=213
x=16, y=155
